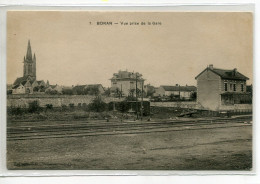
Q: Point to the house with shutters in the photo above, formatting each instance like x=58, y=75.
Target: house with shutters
x=220, y=89
x=182, y=92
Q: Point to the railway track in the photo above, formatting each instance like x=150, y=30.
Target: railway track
x=81, y=129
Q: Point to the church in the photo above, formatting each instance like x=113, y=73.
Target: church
x=28, y=84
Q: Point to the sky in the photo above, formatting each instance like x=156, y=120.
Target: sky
x=72, y=49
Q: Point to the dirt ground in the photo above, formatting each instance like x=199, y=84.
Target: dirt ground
x=227, y=148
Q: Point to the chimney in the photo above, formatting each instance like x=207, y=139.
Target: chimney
x=211, y=66
x=234, y=71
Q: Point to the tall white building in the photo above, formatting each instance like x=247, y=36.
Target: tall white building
x=124, y=83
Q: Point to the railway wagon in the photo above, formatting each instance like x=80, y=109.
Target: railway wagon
x=131, y=107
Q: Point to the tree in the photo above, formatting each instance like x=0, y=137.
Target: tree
x=34, y=107
x=131, y=92
x=9, y=92
x=92, y=90
x=97, y=105
x=172, y=97
x=67, y=91
x=150, y=90
x=78, y=90
x=193, y=95
x=36, y=89
x=52, y=92
x=42, y=88
x=107, y=92
x=118, y=92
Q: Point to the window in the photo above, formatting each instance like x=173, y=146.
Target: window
x=225, y=86
x=114, y=83
x=242, y=87
x=30, y=69
x=234, y=85
x=231, y=87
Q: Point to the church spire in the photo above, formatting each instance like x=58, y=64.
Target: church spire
x=34, y=57
x=29, y=52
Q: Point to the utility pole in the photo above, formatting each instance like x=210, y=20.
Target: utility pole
x=142, y=100
x=179, y=93
x=136, y=95
x=121, y=91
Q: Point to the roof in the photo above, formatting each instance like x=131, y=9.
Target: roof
x=67, y=87
x=226, y=74
x=40, y=81
x=126, y=75
x=94, y=86
x=179, y=88
x=16, y=86
x=234, y=93
x=79, y=87
x=23, y=82
x=25, y=78
x=53, y=86
x=19, y=80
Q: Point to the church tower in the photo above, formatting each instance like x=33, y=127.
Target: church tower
x=29, y=67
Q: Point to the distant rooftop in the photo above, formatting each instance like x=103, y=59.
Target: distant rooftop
x=179, y=88
x=225, y=74
x=126, y=75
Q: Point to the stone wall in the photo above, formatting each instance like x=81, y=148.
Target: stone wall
x=55, y=100
x=191, y=105
x=237, y=107
x=195, y=105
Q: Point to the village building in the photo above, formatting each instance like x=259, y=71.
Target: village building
x=53, y=89
x=89, y=89
x=28, y=83
x=219, y=89
x=95, y=88
x=181, y=92
x=149, y=90
x=124, y=83
x=18, y=89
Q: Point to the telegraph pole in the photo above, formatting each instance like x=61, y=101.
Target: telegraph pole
x=136, y=95
x=179, y=93
x=142, y=100
x=121, y=93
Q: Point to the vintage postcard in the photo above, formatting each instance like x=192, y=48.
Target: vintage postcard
x=125, y=90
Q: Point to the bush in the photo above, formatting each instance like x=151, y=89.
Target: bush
x=36, y=88
x=124, y=106
x=63, y=107
x=97, y=105
x=51, y=92
x=34, y=107
x=72, y=105
x=49, y=106
x=67, y=91
x=15, y=110
x=9, y=92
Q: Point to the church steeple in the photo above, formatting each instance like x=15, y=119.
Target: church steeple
x=30, y=63
x=34, y=57
x=29, y=52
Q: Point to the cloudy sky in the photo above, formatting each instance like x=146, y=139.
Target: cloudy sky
x=72, y=49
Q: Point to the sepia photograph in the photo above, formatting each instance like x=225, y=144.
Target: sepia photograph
x=129, y=90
